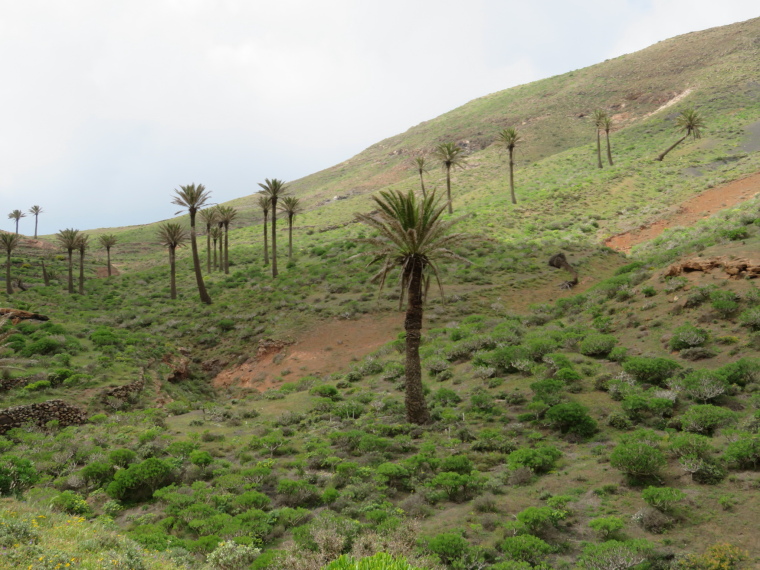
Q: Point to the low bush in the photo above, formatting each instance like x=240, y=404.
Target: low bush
x=662, y=498
x=687, y=336
x=571, y=418
x=71, y=503
x=744, y=452
x=607, y=527
x=526, y=548
x=706, y=418
x=598, y=344
x=651, y=370
x=539, y=459
x=638, y=460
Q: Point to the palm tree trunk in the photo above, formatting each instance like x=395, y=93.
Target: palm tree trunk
x=208, y=248
x=448, y=188
x=71, y=272
x=290, y=237
x=16, y=226
x=215, y=263
x=599, y=148
x=108, y=256
x=221, y=253
x=172, y=273
x=609, y=149
x=205, y=298
x=512, y=175
x=35, y=226
x=226, y=249
x=8, y=287
x=81, y=272
x=266, y=244
x=274, y=238
x=674, y=145
x=422, y=183
x=416, y=408
x=45, y=276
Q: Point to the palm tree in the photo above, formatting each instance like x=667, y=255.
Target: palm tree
x=274, y=189
x=216, y=237
x=421, y=168
x=208, y=217
x=412, y=236
x=193, y=197
x=82, y=244
x=9, y=242
x=227, y=215
x=450, y=156
x=598, y=117
x=68, y=240
x=108, y=241
x=607, y=126
x=691, y=122
x=35, y=211
x=172, y=235
x=265, y=205
x=509, y=138
x=16, y=215
x=291, y=206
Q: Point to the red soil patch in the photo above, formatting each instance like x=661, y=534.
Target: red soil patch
x=328, y=347
x=691, y=211
x=102, y=272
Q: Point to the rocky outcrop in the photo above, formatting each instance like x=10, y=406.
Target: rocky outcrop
x=10, y=383
x=125, y=391
x=734, y=268
x=179, y=364
x=40, y=414
x=17, y=315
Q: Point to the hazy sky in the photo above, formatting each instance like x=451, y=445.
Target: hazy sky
x=107, y=106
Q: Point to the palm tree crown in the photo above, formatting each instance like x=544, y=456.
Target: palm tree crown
x=689, y=121
x=450, y=156
x=172, y=235
x=193, y=197
x=227, y=215
x=35, y=211
x=509, y=138
x=108, y=241
x=421, y=163
x=69, y=239
x=291, y=206
x=16, y=215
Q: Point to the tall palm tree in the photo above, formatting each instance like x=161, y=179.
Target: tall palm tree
x=172, y=235
x=16, y=215
x=598, y=118
x=82, y=244
x=108, y=241
x=509, y=138
x=35, y=211
x=216, y=237
x=421, y=169
x=68, y=240
x=194, y=197
x=291, y=206
x=691, y=122
x=227, y=215
x=450, y=156
x=208, y=217
x=412, y=236
x=265, y=204
x=9, y=242
x=607, y=126
x=274, y=189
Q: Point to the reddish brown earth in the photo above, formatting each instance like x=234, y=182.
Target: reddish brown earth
x=329, y=347
x=102, y=272
x=691, y=211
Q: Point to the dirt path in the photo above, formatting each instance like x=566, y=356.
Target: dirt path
x=691, y=211
x=329, y=347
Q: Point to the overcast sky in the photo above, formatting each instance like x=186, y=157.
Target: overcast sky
x=107, y=106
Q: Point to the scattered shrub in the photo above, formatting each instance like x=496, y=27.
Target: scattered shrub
x=662, y=498
x=597, y=344
x=571, y=418
x=651, y=370
x=706, y=418
x=687, y=336
x=607, y=527
x=637, y=460
x=539, y=459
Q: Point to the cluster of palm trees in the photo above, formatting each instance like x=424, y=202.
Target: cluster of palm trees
x=16, y=215
x=274, y=196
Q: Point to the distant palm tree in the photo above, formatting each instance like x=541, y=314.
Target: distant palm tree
x=108, y=241
x=274, y=189
x=194, y=197
x=413, y=237
x=450, y=156
x=172, y=235
x=35, y=211
x=291, y=206
x=227, y=215
x=598, y=117
x=509, y=138
x=68, y=240
x=265, y=204
x=208, y=217
x=16, y=215
x=691, y=122
x=9, y=242
x=607, y=126
x=421, y=168
x=82, y=244
x=216, y=237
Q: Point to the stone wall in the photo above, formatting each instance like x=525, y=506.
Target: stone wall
x=40, y=414
x=123, y=392
x=10, y=383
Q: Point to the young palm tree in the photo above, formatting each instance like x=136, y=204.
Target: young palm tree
x=509, y=138
x=421, y=168
x=413, y=237
x=291, y=206
x=16, y=215
x=82, y=244
x=68, y=240
x=598, y=117
x=274, y=189
x=265, y=205
x=108, y=241
x=35, y=211
x=193, y=197
x=216, y=237
x=9, y=242
x=450, y=156
x=607, y=126
x=172, y=235
x=227, y=215
x=691, y=122
x=208, y=217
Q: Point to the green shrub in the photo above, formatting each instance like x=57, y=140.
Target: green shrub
x=548, y=391
x=38, y=386
x=567, y=375
x=16, y=475
x=607, y=527
x=706, y=418
x=721, y=556
x=140, y=480
x=98, y=472
x=526, y=548
x=725, y=303
x=457, y=463
x=615, y=554
x=649, y=291
x=104, y=337
x=229, y=555
x=598, y=344
x=446, y=397
x=122, y=457
x=538, y=520
x=702, y=385
x=380, y=561
x=326, y=391
x=740, y=372
x=571, y=418
x=690, y=445
x=539, y=459
x=448, y=546
x=744, y=452
x=43, y=346
x=637, y=460
x=735, y=234
x=71, y=503
x=751, y=318
x=662, y=498
x=687, y=336
x=651, y=370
